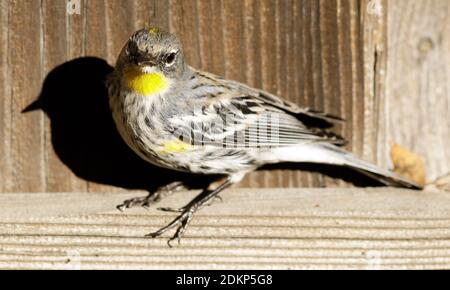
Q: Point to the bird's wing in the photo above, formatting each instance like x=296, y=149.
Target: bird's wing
x=225, y=114
x=275, y=101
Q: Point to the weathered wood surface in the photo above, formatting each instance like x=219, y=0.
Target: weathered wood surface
x=251, y=229
x=418, y=80
x=381, y=65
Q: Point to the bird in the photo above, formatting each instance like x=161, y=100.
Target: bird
x=178, y=117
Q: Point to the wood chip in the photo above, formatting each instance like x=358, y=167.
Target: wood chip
x=408, y=164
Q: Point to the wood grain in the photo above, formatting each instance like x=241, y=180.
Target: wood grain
x=56, y=50
x=5, y=101
x=25, y=68
x=418, y=81
x=250, y=229
x=348, y=57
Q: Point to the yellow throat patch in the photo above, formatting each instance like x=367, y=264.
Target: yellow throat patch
x=145, y=83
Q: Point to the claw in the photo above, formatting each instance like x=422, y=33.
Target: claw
x=152, y=198
x=120, y=207
x=171, y=209
x=170, y=240
x=182, y=220
x=129, y=203
x=152, y=235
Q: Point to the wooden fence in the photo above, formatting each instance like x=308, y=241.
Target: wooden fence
x=382, y=65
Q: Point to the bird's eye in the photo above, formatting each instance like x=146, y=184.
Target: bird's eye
x=170, y=58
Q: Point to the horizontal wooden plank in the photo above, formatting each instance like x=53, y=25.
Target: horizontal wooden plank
x=380, y=228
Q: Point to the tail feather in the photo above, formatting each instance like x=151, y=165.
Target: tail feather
x=330, y=154
x=382, y=175
x=386, y=177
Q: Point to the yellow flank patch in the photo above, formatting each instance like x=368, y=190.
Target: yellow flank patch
x=175, y=146
x=145, y=83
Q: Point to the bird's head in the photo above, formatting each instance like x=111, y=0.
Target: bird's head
x=150, y=61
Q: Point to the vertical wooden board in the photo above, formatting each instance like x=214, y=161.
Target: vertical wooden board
x=316, y=54
x=305, y=21
x=380, y=143
x=252, y=38
x=59, y=177
x=268, y=45
x=144, y=12
x=5, y=101
x=233, y=40
x=284, y=35
x=120, y=24
x=354, y=114
x=235, y=58
x=253, y=51
x=330, y=56
x=329, y=65
x=418, y=80
x=323, y=34
x=25, y=67
x=95, y=31
x=344, y=51
x=109, y=25
x=160, y=16
x=99, y=43
x=267, y=23
x=278, y=178
x=304, y=52
x=295, y=68
x=304, y=72
x=151, y=13
x=344, y=70
x=312, y=70
x=154, y=13
x=373, y=16
x=184, y=23
x=312, y=66
x=211, y=44
x=76, y=26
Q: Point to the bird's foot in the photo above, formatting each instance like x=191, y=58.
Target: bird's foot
x=182, y=221
x=187, y=212
x=143, y=201
x=152, y=198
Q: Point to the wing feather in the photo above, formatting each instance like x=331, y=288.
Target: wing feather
x=231, y=114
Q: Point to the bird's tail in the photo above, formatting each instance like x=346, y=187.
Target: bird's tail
x=331, y=154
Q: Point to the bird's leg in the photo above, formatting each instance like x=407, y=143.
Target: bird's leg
x=213, y=185
x=153, y=197
x=183, y=220
x=181, y=209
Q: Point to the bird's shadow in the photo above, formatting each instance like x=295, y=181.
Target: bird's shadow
x=334, y=171
x=83, y=133
x=85, y=139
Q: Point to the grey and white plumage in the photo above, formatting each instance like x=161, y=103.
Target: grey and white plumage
x=228, y=127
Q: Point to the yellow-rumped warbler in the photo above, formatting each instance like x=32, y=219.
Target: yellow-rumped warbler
x=175, y=116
